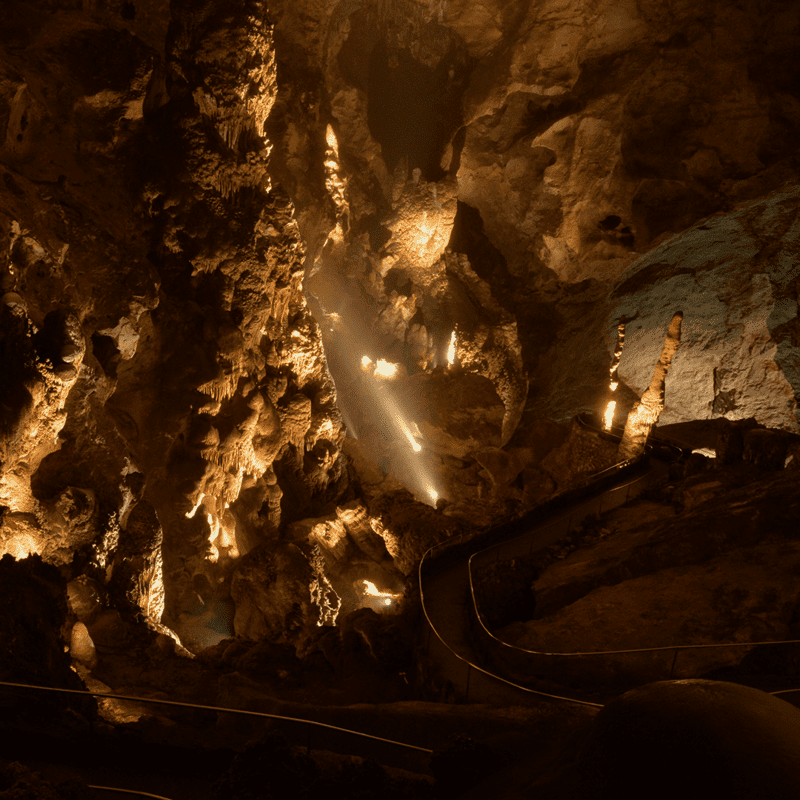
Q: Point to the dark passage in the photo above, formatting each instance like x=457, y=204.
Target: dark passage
x=413, y=109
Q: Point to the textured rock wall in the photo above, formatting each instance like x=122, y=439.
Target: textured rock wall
x=526, y=175
x=575, y=138
x=735, y=276
x=166, y=401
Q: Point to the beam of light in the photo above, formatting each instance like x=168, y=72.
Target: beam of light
x=608, y=418
x=417, y=471
x=451, y=350
x=415, y=445
x=373, y=401
x=613, y=386
x=434, y=494
x=385, y=369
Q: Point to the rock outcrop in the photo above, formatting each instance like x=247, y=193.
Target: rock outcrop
x=714, y=736
x=165, y=379
x=735, y=278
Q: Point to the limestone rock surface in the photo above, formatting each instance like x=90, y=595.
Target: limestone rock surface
x=734, y=276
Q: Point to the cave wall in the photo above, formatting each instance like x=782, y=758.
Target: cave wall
x=586, y=136
x=206, y=210
x=167, y=402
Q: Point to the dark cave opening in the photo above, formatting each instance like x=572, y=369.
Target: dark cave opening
x=413, y=108
x=469, y=237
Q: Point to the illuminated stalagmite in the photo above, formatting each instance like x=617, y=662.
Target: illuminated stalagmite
x=608, y=416
x=645, y=412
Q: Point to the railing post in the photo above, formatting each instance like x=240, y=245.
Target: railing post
x=672, y=668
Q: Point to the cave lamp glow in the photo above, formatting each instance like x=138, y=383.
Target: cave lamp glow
x=371, y=590
x=385, y=369
x=611, y=407
x=608, y=417
x=451, y=350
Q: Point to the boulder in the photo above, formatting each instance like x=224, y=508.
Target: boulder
x=695, y=738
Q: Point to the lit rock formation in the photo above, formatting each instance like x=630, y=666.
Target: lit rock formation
x=645, y=412
x=175, y=176
x=673, y=104
x=167, y=382
x=735, y=278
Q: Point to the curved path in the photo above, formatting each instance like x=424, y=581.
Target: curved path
x=449, y=608
x=445, y=594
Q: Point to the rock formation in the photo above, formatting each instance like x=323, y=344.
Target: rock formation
x=645, y=412
x=211, y=213
x=734, y=276
x=167, y=382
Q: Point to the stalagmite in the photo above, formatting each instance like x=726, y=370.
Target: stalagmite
x=645, y=413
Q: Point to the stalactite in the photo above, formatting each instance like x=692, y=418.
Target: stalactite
x=323, y=595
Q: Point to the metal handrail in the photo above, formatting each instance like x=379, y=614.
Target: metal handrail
x=458, y=538
x=471, y=664
x=672, y=648
x=608, y=652
x=311, y=722
x=595, y=652
x=128, y=791
x=461, y=537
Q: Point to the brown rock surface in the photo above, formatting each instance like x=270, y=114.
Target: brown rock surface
x=512, y=178
x=719, y=571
